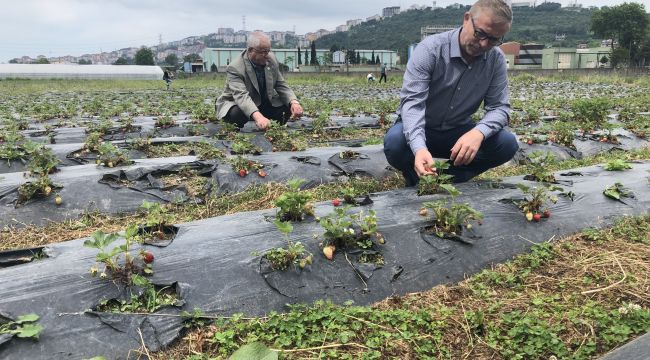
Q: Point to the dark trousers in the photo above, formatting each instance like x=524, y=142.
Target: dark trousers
x=235, y=116
x=383, y=76
x=495, y=150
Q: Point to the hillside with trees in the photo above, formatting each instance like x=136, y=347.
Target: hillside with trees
x=537, y=25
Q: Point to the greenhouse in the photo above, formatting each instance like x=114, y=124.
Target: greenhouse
x=56, y=71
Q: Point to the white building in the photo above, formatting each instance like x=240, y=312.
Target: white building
x=390, y=11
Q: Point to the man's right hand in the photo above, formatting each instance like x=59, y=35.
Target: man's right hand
x=423, y=162
x=260, y=120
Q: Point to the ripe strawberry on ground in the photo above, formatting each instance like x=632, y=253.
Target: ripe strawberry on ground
x=328, y=251
x=336, y=202
x=147, y=257
x=261, y=173
x=546, y=214
x=242, y=172
x=530, y=142
x=537, y=217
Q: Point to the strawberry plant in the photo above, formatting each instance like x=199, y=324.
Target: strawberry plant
x=617, y=165
x=110, y=155
x=283, y=139
x=195, y=129
x=617, y=191
x=242, y=166
x=242, y=144
x=158, y=221
x=140, y=143
x=540, y=161
x=349, y=231
x=24, y=326
x=41, y=187
x=563, y=133
x=120, y=264
x=590, y=113
x=534, y=203
x=294, y=204
x=150, y=299
x=165, y=121
x=93, y=141
x=294, y=254
x=432, y=183
x=449, y=219
x=42, y=161
x=348, y=154
x=206, y=151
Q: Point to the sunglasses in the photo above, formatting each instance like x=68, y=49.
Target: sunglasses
x=481, y=35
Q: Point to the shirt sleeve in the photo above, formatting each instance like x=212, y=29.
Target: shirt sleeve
x=497, y=103
x=414, y=93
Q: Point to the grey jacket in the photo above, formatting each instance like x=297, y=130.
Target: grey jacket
x=242, y=88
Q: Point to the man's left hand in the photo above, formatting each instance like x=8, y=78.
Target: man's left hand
x=296, y=110
x=466, y=147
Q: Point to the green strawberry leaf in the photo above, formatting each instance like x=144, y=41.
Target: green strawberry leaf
x=254, y=350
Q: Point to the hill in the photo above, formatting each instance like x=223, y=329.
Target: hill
x=538, y=25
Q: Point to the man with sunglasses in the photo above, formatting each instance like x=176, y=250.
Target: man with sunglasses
x=447, y=78
x=255, y=89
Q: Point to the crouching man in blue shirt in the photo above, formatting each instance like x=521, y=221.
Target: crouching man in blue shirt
x=446, y=79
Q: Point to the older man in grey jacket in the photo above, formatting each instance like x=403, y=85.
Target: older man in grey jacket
x=255, y=89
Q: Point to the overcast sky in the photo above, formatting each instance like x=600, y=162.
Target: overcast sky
x=76, y=27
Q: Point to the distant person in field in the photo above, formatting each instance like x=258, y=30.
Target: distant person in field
x=370, y=77
x=168, y=78
x=447, y=77
x=255, y=89
x=383, y=73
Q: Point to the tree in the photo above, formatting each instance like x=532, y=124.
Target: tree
x=627, y=23
x=306, y=57
x=377, y=60
x=192, y=57
x=42, y=61
x=213, y=68
x=314, y=60
x=171, y=59
x=84, y=62
x=372, y=58
x=620, y=56
x=299, y=56
x=144, y=56
x=603, y=60
x=13, y=61
x=358, y=60
x=121, y=61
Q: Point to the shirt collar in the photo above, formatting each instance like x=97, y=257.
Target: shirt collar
x=454, y=50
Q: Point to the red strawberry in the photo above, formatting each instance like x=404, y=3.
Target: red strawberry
x=547, y=214
x=242, y=172
x=336, y=202
x=261, y=173
x=530, y=142
x=537, y=217
x=147, y=257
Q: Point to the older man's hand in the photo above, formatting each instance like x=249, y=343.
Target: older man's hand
x=296, y=110
x=260, y=120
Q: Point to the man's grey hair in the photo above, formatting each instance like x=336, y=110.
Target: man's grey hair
x=255, y=38
x=501, y=11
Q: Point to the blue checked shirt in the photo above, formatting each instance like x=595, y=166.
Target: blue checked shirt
x=441, y=92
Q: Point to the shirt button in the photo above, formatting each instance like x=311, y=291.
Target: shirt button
x=470, y=67
x=451, y=107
